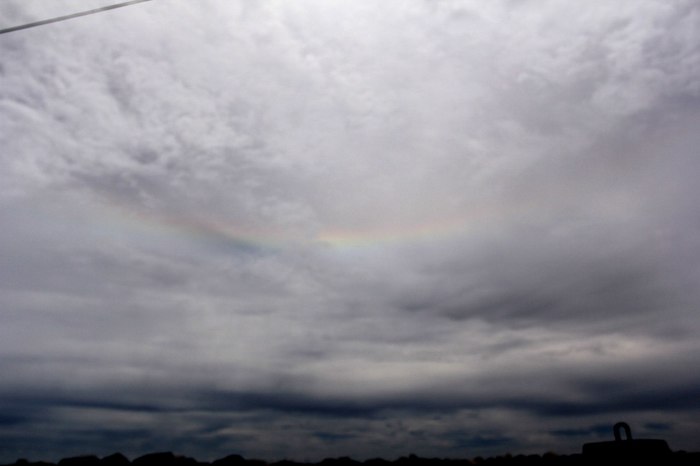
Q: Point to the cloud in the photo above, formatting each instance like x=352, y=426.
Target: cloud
x=331, y=229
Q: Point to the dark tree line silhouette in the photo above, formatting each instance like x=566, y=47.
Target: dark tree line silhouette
x=618, y=451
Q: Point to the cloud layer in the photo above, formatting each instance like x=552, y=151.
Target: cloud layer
x=307, y=229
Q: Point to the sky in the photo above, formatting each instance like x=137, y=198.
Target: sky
x=306, y=229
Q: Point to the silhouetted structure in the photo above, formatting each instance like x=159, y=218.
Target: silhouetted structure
x=627, y=449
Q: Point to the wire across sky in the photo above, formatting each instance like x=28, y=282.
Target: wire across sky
x=71, y=16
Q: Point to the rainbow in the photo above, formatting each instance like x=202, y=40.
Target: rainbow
x=179, y=227
x=392, y=234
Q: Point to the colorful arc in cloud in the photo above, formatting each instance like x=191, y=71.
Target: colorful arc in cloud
x=213, y=230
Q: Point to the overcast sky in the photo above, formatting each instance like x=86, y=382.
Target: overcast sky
x=299, y=229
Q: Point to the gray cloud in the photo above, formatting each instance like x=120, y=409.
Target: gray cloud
x=318, y=229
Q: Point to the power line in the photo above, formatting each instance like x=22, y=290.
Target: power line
x=74, y=15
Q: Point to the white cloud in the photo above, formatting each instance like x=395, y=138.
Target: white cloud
x=343, y=202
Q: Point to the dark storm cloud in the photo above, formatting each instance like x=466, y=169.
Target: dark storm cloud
x=637, y=400
x=573, y=292
x=605, y=399
x=548, y=395
x=480, y=441
x=10, y=420
x=600, y=430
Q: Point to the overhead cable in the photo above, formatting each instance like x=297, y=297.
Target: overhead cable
x=74, y=15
